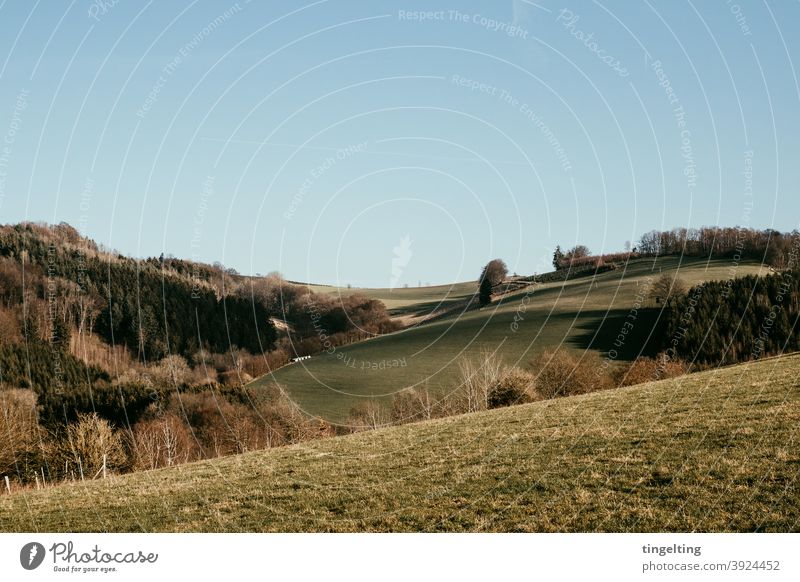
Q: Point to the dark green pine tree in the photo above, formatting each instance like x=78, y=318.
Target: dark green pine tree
x=558, y=255
x=485, y=291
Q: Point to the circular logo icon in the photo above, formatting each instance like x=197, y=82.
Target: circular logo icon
x=31, y=555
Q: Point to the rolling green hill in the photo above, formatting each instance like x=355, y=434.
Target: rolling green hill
x=582, y=313
x=713, y=451
x=402, y=301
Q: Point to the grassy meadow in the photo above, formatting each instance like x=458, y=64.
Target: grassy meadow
x=410, y=300
x=713, y=451
x=584, y=313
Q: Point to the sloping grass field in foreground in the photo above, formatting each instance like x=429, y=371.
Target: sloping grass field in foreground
x=713, y=451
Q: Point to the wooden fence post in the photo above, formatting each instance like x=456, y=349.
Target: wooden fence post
x=104, y=466
x=8, y=485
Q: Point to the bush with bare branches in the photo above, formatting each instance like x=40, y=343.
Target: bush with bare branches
x=515, y=386
x=87, y=444
x=561, y=373
x=19, y=433
x=414, y=404
x=477, y=378
x=172, y=371
x=367, y=415
x=651, y=369
x=163, y=441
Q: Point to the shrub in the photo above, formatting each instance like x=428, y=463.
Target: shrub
x=641, y=370
x=667, y=367
x=477, y=379
x=257, y=365
x=563, y=374
x=9, y=327
x=413, y=404
x=651, y=369
x=234, y=378
x=19, y=433
x=294, y=425
x=367, y=416
x=162, y=442
x=172, y=371
x=205, y=415
x=223, y=426
x=516, y=386
x=87, y=442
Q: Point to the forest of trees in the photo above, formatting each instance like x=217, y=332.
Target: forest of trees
x=725, y=322
x=86, y=330
x=769, y=246
x=144, y=305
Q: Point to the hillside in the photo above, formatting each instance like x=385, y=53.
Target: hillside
x=714, y=451
x=582, y=313
x=408, y=300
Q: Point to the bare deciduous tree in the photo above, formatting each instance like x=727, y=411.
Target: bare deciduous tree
x=161, y=442
x=367, y=416
x=89, y=443
x=413, y=404
x=667, y=288
x=477, y=378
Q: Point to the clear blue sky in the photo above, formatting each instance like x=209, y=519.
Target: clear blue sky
x=314, y=138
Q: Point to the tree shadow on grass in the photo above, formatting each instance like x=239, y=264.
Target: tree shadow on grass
x=605, y=333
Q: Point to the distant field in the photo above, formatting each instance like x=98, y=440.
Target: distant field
x=714, y=451
x=408, y=300
x=583, y=313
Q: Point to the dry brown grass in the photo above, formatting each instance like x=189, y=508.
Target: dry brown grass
x=712, y=451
